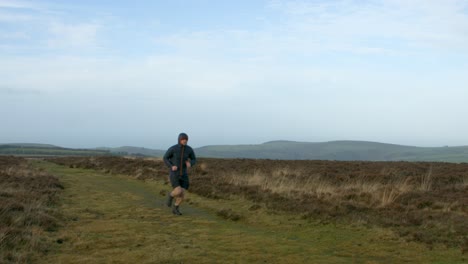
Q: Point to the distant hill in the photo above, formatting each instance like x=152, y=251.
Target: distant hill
x=128, y=150
x=336, y=150
x=33, y=145
x=282, y=149
x=332, y=150
x=33, y=149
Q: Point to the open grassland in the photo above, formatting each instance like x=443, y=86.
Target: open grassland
x=27, y=200
x=113, y=218
x=420, y=202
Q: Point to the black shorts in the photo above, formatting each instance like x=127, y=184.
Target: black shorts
x=179, y=180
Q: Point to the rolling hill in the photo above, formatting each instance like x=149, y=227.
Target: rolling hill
x=282, y=149
x=336, y=150
x=137, y=151
x=33, y=149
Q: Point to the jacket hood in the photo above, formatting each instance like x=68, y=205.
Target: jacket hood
x=182, y=136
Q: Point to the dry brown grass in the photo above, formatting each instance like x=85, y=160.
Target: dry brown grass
x=464, y=181
x=426, y=181
x=26, y=199
x=292, y=183
x=393, y=198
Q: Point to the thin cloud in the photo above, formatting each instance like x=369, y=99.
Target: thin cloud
x=16, y=4
x=50, y=26
x=12, y=18
x=377, y=28
x=388, y=24
x=73, y=35
x=14, y=35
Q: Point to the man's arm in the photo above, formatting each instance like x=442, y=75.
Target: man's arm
x=167, y=157
x=192, y=157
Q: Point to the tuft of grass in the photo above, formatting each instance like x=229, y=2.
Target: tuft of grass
x=464, y=181
x=229, y=214
x=393, y=191
x=426, y=181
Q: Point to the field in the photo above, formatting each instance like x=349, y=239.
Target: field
x=419, y=201
x=111, y=209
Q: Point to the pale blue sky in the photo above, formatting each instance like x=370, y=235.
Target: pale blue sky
x=112, y=73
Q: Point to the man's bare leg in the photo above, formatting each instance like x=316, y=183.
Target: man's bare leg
x=175, y=193
x=178, y=193
x=180, y=198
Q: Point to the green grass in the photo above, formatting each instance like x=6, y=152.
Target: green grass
x=118, y=219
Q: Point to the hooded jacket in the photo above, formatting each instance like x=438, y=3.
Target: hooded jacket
x=178, y=154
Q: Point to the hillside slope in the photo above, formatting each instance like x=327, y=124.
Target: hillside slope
x=336, y=150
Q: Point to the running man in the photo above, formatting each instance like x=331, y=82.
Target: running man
x=178, y=159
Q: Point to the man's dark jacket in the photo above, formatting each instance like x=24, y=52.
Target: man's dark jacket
x=177, y=155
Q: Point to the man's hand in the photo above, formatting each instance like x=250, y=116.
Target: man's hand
x=174, y=168
x=188, y=164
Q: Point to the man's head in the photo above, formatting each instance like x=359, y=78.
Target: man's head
x=183, y=138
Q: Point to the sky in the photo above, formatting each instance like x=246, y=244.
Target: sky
x=116, y=73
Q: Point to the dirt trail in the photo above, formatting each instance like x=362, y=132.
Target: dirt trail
x=116, y=219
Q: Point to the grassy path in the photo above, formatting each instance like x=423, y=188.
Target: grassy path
x=116, y=219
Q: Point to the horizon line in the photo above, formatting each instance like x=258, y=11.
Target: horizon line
x=271, y=141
